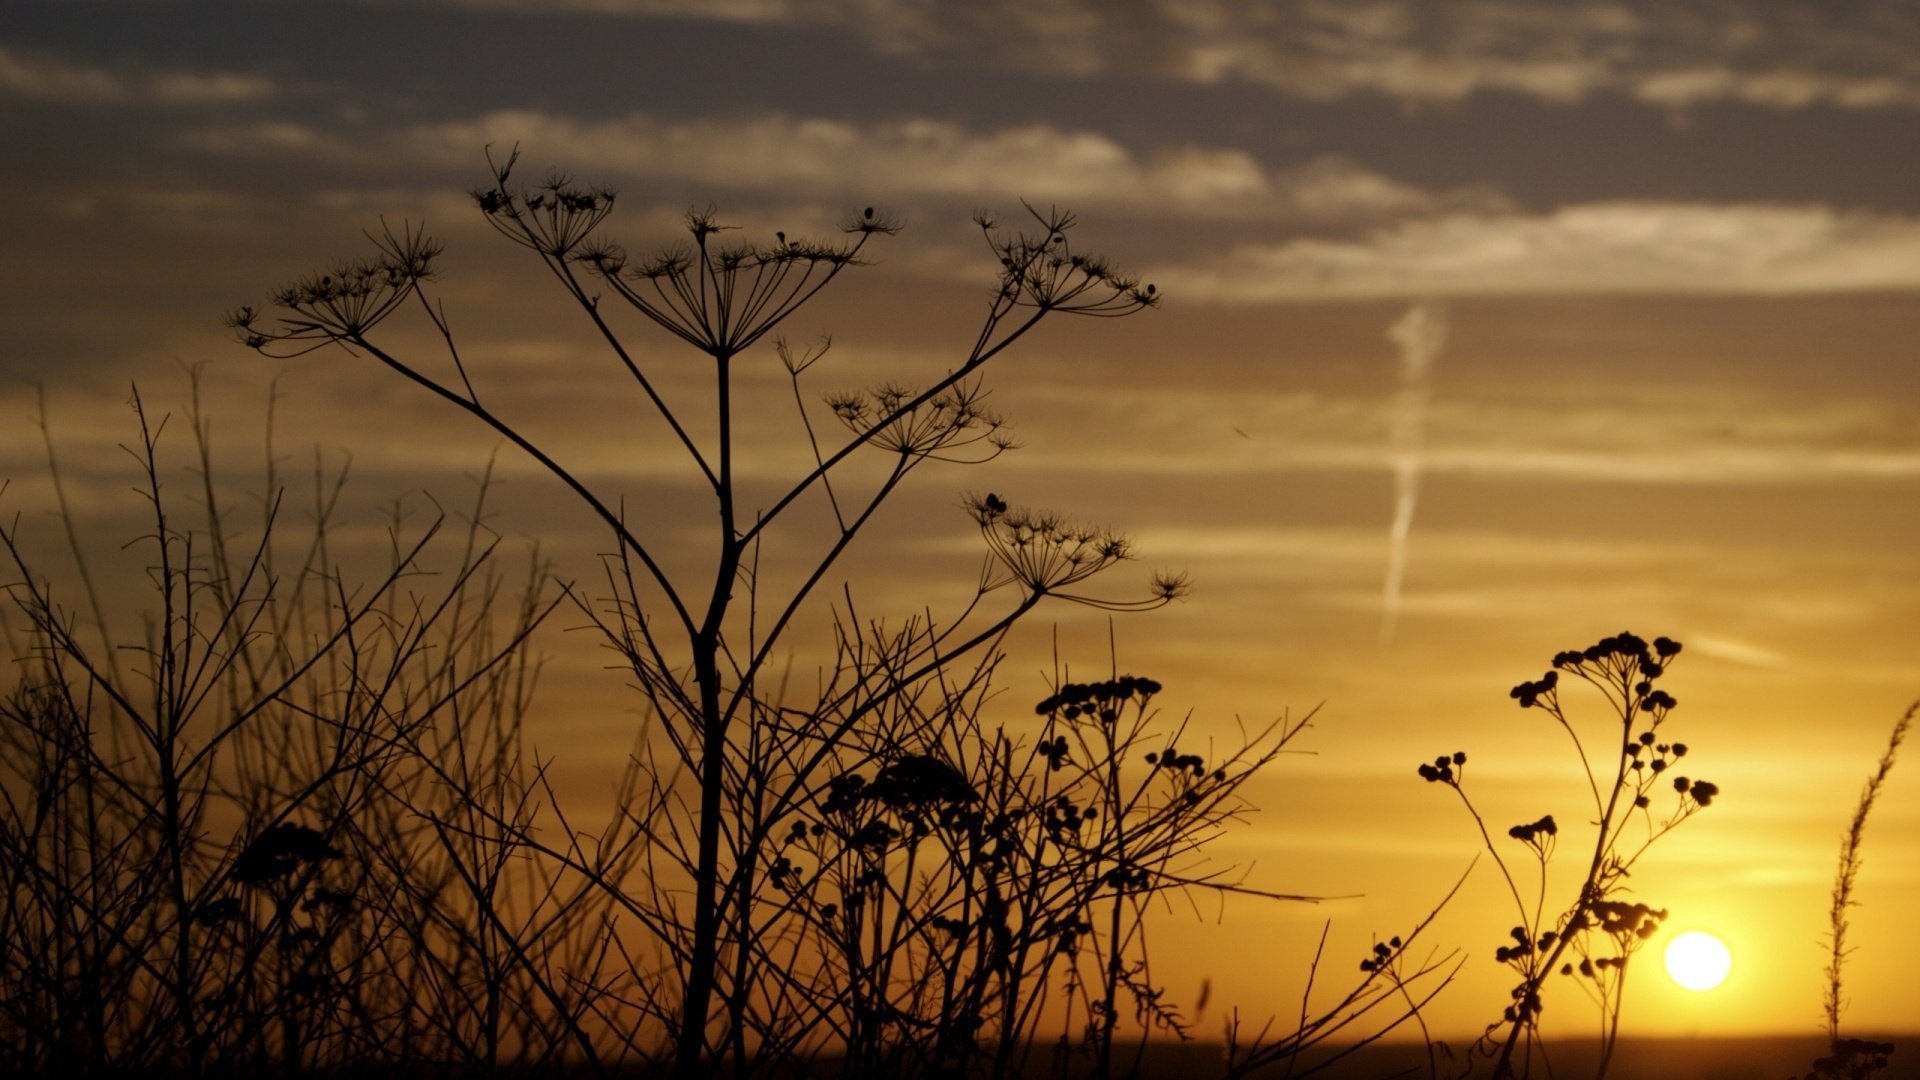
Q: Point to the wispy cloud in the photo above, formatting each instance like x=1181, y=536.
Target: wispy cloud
x=1786, y=54
x=1734, y=651
x=1356, y=551
x=1620, y=436
x=1780, y=89
x=45, y=78
x=1604, y=247
x=787, y=154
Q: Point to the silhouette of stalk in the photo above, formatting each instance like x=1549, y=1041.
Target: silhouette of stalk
x=1854, y=1057
x=282, y=709
x=1849, y=872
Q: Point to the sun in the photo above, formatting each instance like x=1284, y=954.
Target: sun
x=1698, y=961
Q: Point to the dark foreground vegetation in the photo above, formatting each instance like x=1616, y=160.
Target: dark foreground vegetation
x=272, y=810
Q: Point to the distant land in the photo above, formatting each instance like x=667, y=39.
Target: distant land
x=1706, y=1058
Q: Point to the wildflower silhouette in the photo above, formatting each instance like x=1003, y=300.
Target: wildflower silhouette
x=1850, y=1058
x=270, y=694
x=1592, y=939
x=748, y=761
x=278, y=852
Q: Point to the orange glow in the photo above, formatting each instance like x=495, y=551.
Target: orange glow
x=1698, y=961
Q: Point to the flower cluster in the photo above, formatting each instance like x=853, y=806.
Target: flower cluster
x=919, y=790
x=1063, y=815
x=343, y=302
x=893, y=418
x=918, y=780
x=1663, y=753
x=876, y=833
x=1100, y=699
x=1044, y=553
x=1523, y=946
x=1042, y=270
x=721, y=298
x=1538, y=835
x=1526, y=1004
x=1191, y=764
x=1526, y=833
x=1620, y=920
x=1700, y=791
x=1054, y=750
x=1594, y=967
x=1528, y=693
x=1383, y=954
x=843, y=793
x=278, y=852
x=1621, y=648
x=1442, y=769
x=554, y=219
x=784, y=873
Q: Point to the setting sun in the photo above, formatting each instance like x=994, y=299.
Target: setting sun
x=1698, y=961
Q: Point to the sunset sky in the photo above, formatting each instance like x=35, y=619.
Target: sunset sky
x=1489, y=328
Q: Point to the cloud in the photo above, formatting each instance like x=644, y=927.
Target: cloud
x=1621, y=247
x=1785, y=54
x=1775, y=89
x=1624, y=436
x=1355, y=552
x=1743, y=653
x=45, y=78
x=905, y=158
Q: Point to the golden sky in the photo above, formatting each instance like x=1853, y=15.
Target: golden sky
x=1489, y=329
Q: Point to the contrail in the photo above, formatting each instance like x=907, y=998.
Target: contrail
x=1420, y=333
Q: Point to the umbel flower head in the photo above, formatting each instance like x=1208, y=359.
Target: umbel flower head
x=553, y=219
x=954, y=425
x=1625, y=663
x=722, y=297
x=919, y=780
x=1444, y=769
x=278, y=851
x=1624, y=652
x=1102, y=699
x=343, y=302
x=1045, y=554
x=1040, y=269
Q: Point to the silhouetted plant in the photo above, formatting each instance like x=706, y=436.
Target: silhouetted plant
x=1392, y=990
x=272, y=704
x=1594, y=936
x=1030, y=870
x=863, y=869
x=745, y=761
x=1854, y=1059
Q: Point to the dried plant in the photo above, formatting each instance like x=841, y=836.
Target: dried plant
x=737, y=760
x=204, y=867
x=1592, y=937
x=1854, y=1059
x=858, y=869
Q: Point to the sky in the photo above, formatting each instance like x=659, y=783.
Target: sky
x=1488, y=329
